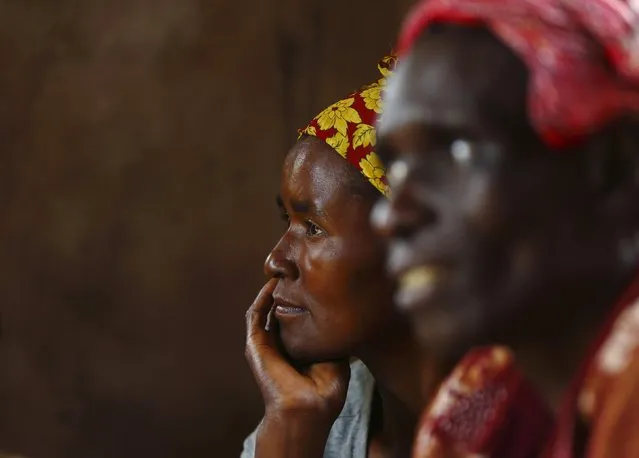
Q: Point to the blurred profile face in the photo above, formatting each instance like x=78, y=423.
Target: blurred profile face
x=333, y=297
x=488, y=229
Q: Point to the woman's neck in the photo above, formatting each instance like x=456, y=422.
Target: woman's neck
x=552, y=359
x=551, y=364
x=405, y=381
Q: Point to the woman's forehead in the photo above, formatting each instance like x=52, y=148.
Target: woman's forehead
x=313, y=162
x=313, y=171
x=449, y=80
x=429, y=89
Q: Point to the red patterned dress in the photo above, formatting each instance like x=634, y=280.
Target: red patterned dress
x=485, y=409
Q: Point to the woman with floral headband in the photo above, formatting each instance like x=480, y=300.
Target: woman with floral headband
x=329, y=301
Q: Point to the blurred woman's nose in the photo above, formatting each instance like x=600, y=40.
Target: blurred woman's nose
x=407, y=211
x=380, y=218
x=279, y=264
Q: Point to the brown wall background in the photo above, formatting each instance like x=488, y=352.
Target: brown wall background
x=141, y=142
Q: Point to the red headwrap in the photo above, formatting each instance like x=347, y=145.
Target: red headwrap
x=348, y=126
x=571, y=93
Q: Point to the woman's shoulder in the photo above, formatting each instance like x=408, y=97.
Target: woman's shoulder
x=360, y=390
x=349, y=435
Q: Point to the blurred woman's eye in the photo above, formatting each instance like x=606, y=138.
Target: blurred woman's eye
x=313, y=230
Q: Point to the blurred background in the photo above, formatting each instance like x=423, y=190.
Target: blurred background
x=141, y=147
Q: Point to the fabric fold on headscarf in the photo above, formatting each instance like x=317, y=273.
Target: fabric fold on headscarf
x=348, y=126
x=564, y=44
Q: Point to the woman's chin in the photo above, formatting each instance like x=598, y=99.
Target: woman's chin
x=302, y=354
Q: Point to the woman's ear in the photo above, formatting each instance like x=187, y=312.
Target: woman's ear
x=613, y=171
x=628, y=145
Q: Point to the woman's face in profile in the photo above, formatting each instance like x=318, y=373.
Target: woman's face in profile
x=333, y=299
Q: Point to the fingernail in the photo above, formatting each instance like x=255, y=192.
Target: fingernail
x=269, y=317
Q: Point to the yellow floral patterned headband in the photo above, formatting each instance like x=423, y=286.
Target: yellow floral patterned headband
x=348, y=126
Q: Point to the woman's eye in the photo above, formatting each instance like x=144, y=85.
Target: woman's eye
x=313, y=230
x=461, y=151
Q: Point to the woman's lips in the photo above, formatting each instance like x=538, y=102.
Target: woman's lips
x=283, y=307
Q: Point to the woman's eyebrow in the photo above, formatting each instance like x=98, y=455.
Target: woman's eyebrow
x=302, y=206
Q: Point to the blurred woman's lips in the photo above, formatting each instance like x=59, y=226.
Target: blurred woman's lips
x=417, y=286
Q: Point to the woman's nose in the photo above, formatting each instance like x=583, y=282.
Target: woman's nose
x=406, y=212
x=279, y=265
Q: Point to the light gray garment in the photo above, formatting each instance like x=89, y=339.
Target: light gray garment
x=349, y=435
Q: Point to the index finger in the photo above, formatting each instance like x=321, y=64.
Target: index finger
x=257, y=314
